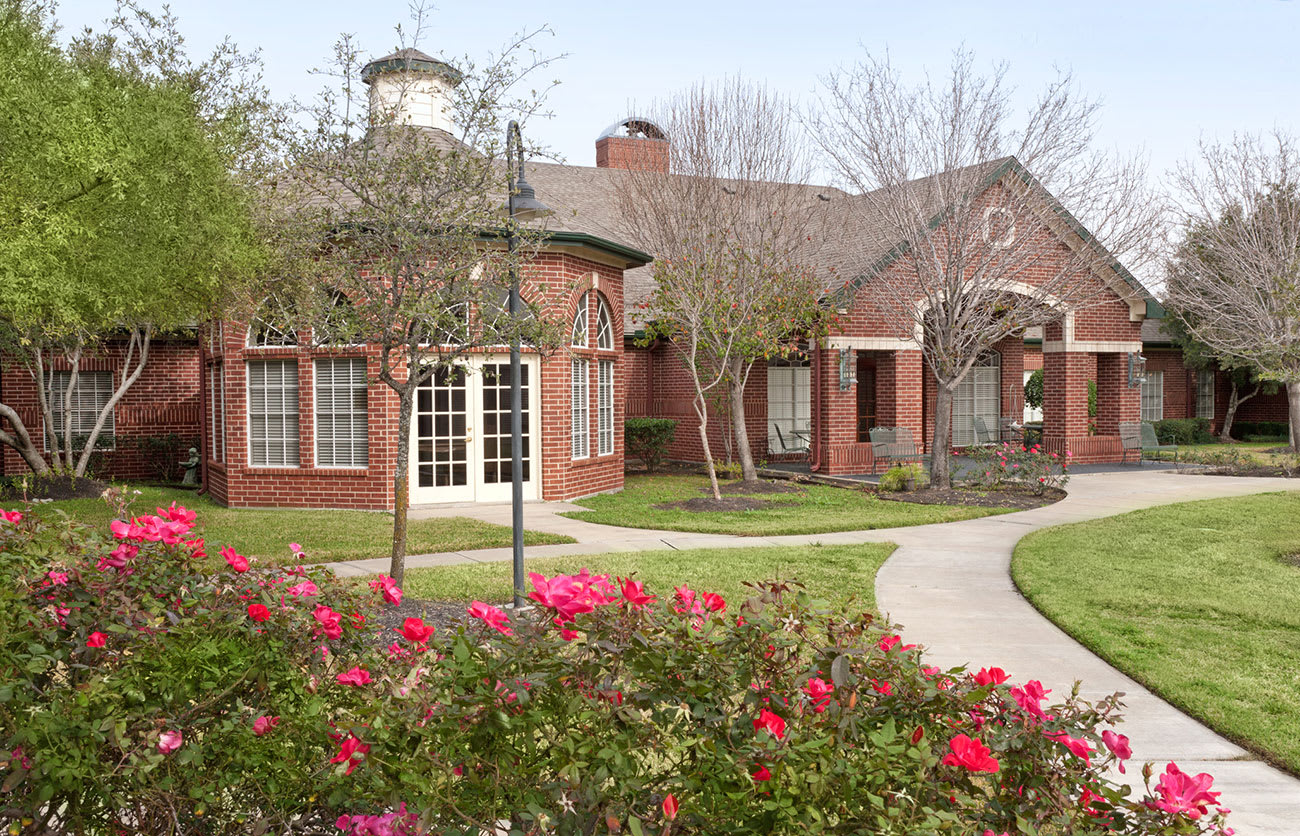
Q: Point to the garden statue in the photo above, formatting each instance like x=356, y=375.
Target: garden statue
x=191, y=466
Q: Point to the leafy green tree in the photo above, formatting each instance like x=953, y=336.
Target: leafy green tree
x=124, y=199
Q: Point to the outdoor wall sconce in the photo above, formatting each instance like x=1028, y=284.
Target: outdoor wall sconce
x=1137, y=369
x=847, y=377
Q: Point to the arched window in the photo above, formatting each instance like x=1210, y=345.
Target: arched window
x=271, y=329
x=580, y=317
x=604, y=325
x=337, y=320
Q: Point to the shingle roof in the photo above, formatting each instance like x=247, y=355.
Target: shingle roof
x=587, y=200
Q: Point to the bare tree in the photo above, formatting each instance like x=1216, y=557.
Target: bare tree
x=733, y=230
x=396, y=226
x=955, y=189
x=1237, y=272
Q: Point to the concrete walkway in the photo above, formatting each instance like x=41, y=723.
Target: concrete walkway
x=949, y=585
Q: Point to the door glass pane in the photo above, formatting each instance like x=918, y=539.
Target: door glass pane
x=496, y=422
x=441, y=450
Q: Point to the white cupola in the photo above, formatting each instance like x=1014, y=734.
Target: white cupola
x=411, y=88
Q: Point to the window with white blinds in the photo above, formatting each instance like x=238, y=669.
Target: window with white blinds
x=581, y=409
x=273, y=413
x=1205, y=394
x=976, y=396
x=216, y=412
x=789, y=406
x=605, y=408
x=341, y=435
x=1153, y=396
x=89, y=397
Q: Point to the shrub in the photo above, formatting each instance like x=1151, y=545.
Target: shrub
x=904, y=477
x=1034, y=389
x=996, y=465
x=1266, y=430
x=1183, y=431
x=140, y=696
x=648, y=439
x=164, y=453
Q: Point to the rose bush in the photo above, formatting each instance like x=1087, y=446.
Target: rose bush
x=264, y=701
x=994, y=466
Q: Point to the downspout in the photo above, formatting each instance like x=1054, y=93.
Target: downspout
x=203, y=411
x=816, y=464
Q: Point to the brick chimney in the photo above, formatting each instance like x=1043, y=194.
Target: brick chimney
x=634, y=144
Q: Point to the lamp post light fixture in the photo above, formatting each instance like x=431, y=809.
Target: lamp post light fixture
x=521, y=205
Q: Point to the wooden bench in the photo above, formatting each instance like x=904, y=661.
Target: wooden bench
x=893, y=445
x=1141, y=438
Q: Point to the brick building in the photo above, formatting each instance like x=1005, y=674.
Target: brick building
x=282, y=422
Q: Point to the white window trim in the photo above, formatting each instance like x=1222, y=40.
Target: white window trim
x=583, y=315
x=1155, y=381
x=56, y=407
x=216, y=384
x=1205, y=375
x=315, y=415
x=604, y=326
x=605, y=408
x=248, y=408
x=580, y=430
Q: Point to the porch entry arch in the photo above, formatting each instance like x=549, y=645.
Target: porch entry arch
x=978, y=395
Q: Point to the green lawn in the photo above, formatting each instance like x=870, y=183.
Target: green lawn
x=325, y=536
x=817, y=509
x=1199, y=601
x=830, y=572
x=1252, y=449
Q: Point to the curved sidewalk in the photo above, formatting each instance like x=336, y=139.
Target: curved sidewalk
x=950, y=587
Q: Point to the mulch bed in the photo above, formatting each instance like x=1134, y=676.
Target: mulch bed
x=51, y=488
x=708, y=503
x=446, y=615
x=756, y=486
x=1006, y=498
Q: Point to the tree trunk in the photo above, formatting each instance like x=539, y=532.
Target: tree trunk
x=1293, y=404
x=401, y=482
x=702, y=412
x=736, y=386
x=21, y=441
x=941, y=443
x=139, y=341
x=1235, y=400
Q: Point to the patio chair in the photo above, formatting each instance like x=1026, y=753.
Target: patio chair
x=800, y=444
x=1140, y=437
x=983, y=435
x=892, y=445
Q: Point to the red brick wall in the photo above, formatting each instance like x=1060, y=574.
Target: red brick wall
x=553, y=280
x=632, y=153
x=163, y=401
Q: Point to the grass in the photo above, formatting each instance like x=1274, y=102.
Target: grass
x=1197, y=601
x=817, y=509
x=830, y=572
x=1252, y=449
x=326, y=536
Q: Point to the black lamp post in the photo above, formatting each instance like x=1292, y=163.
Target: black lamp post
x=521, y=204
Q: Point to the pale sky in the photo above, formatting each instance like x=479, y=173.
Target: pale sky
x=1167, y=72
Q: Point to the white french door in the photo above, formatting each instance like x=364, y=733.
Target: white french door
x=460, y=434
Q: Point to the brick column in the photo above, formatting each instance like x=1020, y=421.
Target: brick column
x=1117, y=402
x=908, y=393
x=1012, y=396
x=1065, y=395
